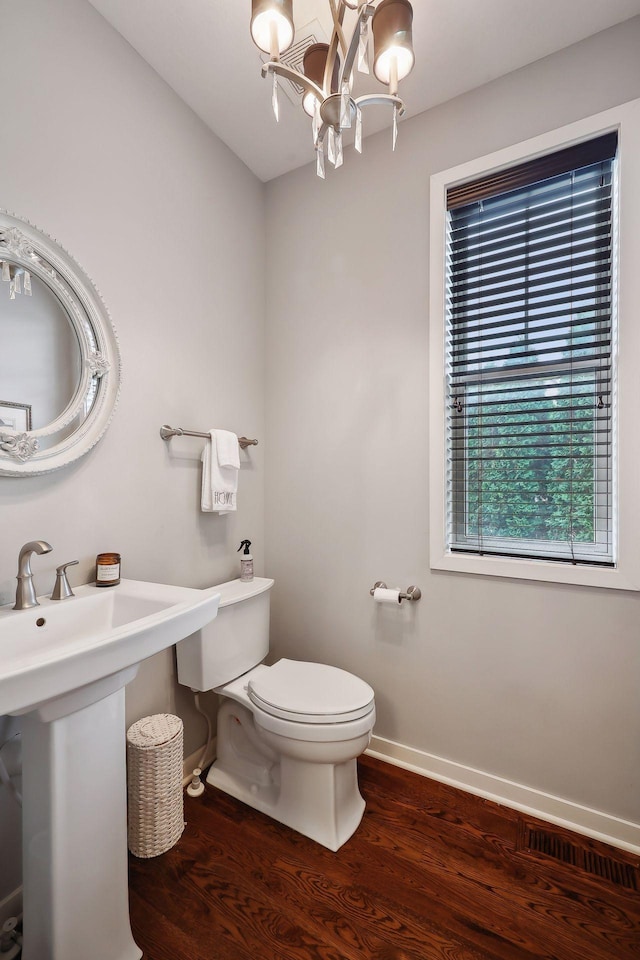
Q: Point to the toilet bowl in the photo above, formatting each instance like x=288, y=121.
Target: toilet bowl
x=288, y=735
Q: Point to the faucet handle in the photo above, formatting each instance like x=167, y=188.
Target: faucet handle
x=62, y=590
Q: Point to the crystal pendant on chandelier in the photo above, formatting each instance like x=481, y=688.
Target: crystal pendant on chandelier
x=345, y=106
x=316, y=122
x=27, y=283
x=363, y=48
x=357, y=143
x=331, y=145
x=320, y=160
x=339, y=157
x=394, y=138
x=274, y=97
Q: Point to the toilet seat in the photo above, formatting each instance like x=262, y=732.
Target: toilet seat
x=310, y=693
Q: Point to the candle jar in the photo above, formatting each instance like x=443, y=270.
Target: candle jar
x=107, y=569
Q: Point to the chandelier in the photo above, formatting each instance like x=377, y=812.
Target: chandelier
x=328, y=68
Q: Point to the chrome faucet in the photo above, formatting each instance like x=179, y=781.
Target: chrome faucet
x=25, y=592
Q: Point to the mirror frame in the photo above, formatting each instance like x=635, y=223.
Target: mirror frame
x=42, y=256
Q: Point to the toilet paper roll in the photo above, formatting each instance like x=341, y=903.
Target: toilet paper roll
x=383, y=595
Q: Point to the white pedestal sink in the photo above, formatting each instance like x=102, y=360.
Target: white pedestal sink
x=64, y=666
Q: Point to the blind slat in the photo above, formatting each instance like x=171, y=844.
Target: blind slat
x=594, y=195
x=569, y=233
x=557, y=324
x=534, y=266
x=598, y=348
x=506, y=293
x=594, y=202
x=500, y=256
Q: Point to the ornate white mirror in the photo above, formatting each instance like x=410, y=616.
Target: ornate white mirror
x=59, y=357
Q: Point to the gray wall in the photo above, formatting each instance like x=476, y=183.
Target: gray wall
x=534, y=683
x=98, y=152
x=530, y=682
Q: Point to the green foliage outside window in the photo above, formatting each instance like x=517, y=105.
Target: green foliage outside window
x=531, y=473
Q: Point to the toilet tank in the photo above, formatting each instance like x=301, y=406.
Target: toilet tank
x=236, y=641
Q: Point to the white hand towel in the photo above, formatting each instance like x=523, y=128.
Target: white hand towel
x=228, y=449
x=220, y=480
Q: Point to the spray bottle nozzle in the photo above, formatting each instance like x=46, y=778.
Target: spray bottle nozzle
x=246, y=544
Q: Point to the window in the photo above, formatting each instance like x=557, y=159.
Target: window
x=529, y=356
x=534, y=347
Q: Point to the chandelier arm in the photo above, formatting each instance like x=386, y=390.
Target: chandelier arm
x=338, y=16
x=380, y=99
x=366, y=10
x=328, y=67
x=337, y=39
x=275, y=66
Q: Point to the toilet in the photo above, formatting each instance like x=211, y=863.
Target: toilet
x=289, y=734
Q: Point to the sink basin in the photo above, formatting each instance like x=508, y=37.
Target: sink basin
x=61, y=645
x=64, y=666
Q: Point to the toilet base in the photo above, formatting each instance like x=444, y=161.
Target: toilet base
x=311, y=807
x=319, y=800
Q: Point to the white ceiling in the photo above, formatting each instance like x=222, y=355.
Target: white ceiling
x=203, y=50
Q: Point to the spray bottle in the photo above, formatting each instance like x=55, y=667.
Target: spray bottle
x=246, y=561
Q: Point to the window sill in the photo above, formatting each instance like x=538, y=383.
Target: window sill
x=541, y=570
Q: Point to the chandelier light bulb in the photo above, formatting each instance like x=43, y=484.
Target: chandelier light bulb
x=396, y=60
x=392, y=40
x=309, y=102
x=272, y=27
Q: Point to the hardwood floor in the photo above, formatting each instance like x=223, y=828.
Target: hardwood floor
x=432, y=873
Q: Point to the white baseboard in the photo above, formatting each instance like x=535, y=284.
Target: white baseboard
x=544, y=806
x=591, y=823
x=11, y=906
x=195, y=760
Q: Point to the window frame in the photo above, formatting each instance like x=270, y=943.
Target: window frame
x=625, y=119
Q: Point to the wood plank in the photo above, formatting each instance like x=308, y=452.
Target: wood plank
x=473, y=876
x=432, y=873
x=275, y=872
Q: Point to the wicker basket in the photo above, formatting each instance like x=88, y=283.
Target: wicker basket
x=154, y=776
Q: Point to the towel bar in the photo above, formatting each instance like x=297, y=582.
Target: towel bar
x=166, y=432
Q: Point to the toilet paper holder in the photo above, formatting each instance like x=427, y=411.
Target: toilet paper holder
x=411, y=593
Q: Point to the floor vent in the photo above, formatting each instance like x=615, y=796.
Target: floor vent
x=533, y=840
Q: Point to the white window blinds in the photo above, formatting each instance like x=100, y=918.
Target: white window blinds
x=529, y=359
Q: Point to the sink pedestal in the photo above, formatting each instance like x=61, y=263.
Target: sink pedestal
x=63, y=668
x=76, y=902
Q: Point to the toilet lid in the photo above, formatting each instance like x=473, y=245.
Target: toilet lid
x=310, y=693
